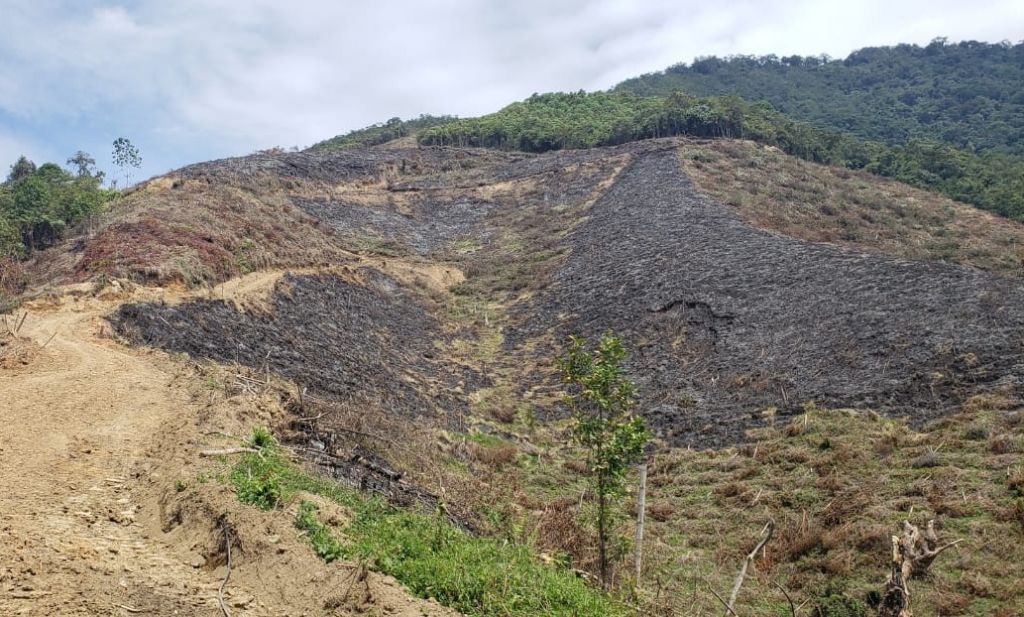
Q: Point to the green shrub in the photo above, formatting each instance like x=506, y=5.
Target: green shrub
x=478, y=576
x=261, y=437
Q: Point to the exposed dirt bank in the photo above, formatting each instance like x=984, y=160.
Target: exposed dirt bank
x=101, y=513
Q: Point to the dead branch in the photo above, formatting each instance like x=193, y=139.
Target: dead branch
x=792, y=606
x=767, y=532
x=227, y=574
x=912, y=556
x=225, y=451
x=724, y=603
x=312, y=419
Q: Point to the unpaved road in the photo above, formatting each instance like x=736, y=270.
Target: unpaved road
x=95, y=440
x=75, y=423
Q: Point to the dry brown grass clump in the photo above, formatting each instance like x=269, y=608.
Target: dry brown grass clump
x=830, y=204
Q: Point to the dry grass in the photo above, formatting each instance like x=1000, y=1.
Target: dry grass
x=836, y=502
x=196, y=232
x=830, y=204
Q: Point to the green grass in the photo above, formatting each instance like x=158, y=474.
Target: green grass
x=478, y=576
x=327, y=546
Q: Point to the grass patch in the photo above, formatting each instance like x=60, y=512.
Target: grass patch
x=478, y=576
x=829, y=204
x=327, y=546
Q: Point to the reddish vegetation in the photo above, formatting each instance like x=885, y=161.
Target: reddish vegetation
x=143, y=249
x=12, y=277
x=196, y=230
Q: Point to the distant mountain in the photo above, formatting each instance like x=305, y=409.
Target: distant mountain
x=968, y=94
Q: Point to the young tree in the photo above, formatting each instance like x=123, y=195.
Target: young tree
x=602, y=400
x=126, y=157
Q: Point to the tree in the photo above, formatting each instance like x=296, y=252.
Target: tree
x=126, y=157
x=37, y=205
x=22, y=168
x=85, y=166
x=602, y=400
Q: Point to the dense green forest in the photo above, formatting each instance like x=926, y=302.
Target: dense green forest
x=967, y=94
x=37, y=204
x=991, y=181
x=380, y=133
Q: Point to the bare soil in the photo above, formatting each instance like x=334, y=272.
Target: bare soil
x=102, y=513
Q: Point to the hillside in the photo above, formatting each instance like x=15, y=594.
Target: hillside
x=966, y=94
x=554, y=121
x=814, y=345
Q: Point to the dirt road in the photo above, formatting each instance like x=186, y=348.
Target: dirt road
x=76, y=422
x=95, y=441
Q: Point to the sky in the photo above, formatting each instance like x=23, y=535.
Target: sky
x=193, y=80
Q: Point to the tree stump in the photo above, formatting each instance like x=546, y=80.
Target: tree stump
x=912, y=555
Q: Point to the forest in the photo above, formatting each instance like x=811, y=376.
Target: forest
x=989, y=180
x=966, y=94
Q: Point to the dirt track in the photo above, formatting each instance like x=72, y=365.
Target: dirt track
x=77, y=422
x=94, y=439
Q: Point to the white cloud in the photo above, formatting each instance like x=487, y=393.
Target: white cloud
x=207, y=78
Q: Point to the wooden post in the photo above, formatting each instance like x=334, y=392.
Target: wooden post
x=641, y=509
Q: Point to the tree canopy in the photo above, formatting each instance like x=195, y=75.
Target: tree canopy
x=382, y=132
x=965, y=94
x=38, y=204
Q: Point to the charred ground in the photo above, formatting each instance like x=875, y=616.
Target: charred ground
x=727, y=321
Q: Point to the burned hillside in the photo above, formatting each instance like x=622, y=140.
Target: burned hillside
x=726, y=320
x=727, y=323
x=359, y=340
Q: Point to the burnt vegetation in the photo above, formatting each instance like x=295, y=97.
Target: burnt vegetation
x=741, y=331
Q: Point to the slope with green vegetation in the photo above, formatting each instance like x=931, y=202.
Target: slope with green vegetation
x=377, y=134
x=582, y=120
x=38, y=205
x=479, y=576
x=966, y=94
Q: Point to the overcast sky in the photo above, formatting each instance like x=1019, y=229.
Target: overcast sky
x=190, y=80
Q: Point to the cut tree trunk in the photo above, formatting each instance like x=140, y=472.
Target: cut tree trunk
x=912, y=555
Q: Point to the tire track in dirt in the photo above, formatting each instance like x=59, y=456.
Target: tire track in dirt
x=75, y=423
x=97, y=444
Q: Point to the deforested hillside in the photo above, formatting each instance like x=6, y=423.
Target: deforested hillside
x=726, y=318
x=720, y=311
x=369, y=340
x=966, y=94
